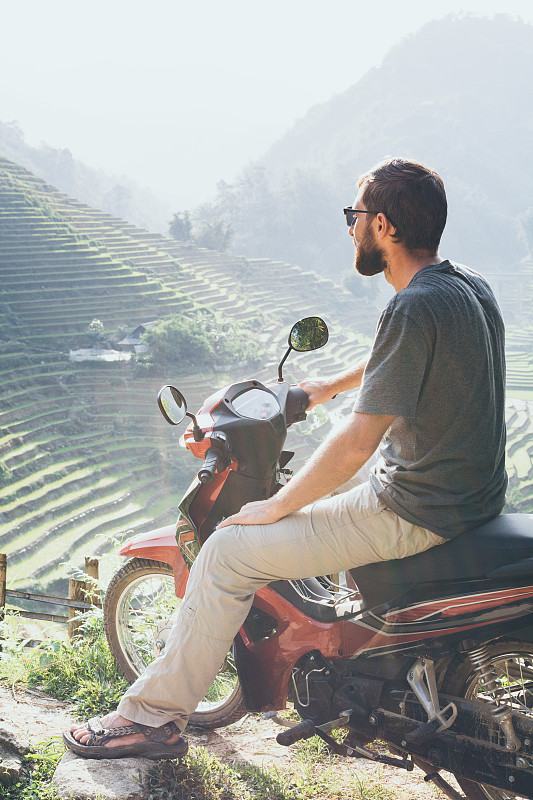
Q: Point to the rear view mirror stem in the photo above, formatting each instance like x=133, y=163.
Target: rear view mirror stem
x=197, y=432
x=281, y=363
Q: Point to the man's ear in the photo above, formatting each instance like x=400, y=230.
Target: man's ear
x=384, y=226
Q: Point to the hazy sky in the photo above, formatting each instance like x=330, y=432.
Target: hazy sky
x=179, y=94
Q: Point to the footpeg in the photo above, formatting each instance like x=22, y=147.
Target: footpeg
x=304, y=730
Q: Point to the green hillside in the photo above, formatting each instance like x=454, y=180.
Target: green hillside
x=84, y=454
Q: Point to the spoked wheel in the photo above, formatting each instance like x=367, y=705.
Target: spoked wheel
x=513, y=663
x=139, y=608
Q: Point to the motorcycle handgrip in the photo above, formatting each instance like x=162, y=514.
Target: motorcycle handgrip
x=296, y=405
x=207, y=473
x=304, y=730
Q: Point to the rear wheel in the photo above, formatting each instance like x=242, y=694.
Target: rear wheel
x=139, y=607
x=513, y=663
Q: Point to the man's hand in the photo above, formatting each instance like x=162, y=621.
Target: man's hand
x=262, y=512
x=319, y=390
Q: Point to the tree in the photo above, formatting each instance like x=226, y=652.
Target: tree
x=361, y=287
x=5, y=474
x=215, y=235
x=96, y=331
x=180, y=227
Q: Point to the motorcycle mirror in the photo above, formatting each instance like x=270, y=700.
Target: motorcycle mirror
x=307, y=334
x=310, y=333
x=173, y=406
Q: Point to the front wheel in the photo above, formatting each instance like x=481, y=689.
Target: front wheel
x=513, y=664
x=139, y=607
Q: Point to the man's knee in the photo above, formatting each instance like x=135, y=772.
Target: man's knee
x=220, y=546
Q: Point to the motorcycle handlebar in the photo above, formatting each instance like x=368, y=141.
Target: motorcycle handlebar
x=207, y=473
x=296, y=405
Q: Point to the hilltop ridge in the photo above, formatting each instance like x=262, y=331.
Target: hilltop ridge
x=455, y=95
x=120, y=196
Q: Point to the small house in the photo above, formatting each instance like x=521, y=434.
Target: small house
x=133, y=343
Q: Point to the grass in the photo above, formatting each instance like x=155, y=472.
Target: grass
x=39, y=768
x=84, y=673
x=202, y=776
x=81, y=671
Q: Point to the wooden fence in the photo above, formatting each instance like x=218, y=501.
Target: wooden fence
x=81, y=597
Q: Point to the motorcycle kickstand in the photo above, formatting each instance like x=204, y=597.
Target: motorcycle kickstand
x=356, y=751
x=435, y=777
x=306, y=729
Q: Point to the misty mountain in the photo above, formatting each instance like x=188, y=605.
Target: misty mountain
x=119, y=196
x=457, y=96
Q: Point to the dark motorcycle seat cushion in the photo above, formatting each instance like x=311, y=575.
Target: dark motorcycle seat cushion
x=505, y=540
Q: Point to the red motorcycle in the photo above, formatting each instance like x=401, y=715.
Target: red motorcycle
x=432, y=654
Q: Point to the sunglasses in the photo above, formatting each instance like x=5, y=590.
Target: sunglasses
x=350, y=214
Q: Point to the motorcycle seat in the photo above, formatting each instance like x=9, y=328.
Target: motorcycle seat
x=501, y=549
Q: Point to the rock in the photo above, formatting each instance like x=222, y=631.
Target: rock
x=12, y=749
x=11, y=769
x=12, y=739
x=90, y=778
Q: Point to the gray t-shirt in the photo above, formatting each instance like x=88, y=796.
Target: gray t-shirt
x=438, y=365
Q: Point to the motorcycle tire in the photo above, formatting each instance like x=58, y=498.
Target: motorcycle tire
x=138, y=608
x=514, y=663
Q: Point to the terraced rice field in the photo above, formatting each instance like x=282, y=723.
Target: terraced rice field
x=520, y=454
x=84, y=454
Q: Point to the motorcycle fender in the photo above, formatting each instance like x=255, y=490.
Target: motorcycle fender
x=264, y=662
x=160, y=545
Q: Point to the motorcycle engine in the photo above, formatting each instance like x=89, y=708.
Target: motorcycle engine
x=322, y=690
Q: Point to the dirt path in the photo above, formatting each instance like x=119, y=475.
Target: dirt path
x=252, y=740
x=35, y=715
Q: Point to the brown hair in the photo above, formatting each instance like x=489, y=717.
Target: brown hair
x=413, y=199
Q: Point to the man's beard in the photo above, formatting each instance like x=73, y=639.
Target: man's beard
x=369, y=259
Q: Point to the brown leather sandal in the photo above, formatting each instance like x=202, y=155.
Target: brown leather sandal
x=155, y=747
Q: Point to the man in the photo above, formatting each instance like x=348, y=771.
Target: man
x=432, y=400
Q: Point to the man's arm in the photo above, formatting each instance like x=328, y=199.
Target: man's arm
x=337, y=459
x=320, y=390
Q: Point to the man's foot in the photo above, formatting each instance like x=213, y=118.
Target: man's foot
x=114, y=736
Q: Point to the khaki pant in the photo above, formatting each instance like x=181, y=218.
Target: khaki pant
x=329, y=536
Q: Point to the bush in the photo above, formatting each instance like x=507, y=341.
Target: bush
x=200, y=341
